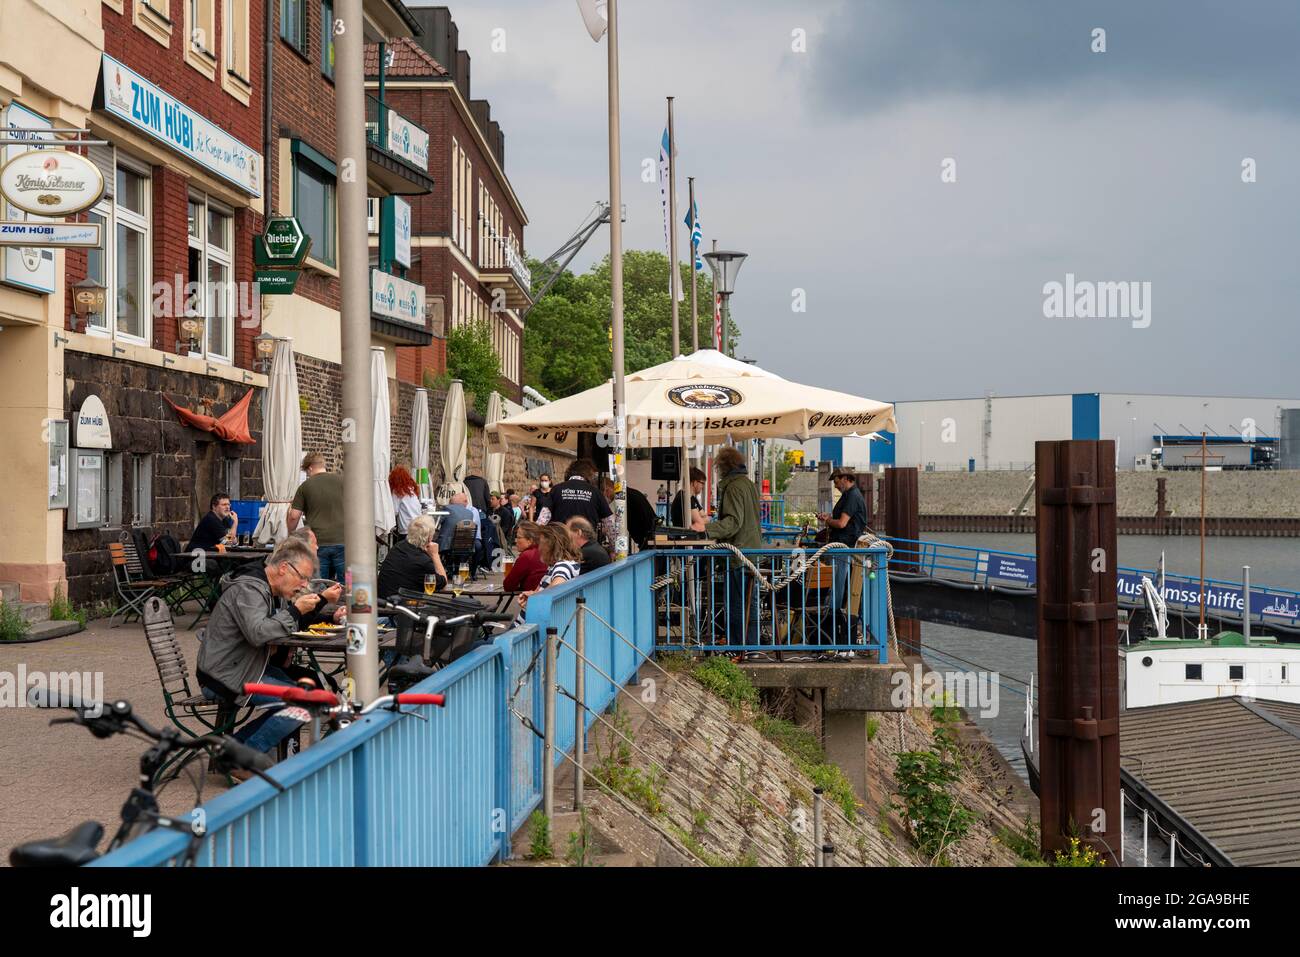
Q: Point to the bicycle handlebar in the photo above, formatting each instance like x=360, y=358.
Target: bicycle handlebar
x=292, y=694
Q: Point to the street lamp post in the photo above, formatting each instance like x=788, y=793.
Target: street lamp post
x=725, y=265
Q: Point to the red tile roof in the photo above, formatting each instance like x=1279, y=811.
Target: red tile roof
x=408, y=58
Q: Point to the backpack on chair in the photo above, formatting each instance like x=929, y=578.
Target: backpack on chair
x=163, y=554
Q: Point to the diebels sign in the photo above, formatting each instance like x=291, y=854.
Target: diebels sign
x=51, y=182
x=134, y=99
x=396, y=298
x=283, y=244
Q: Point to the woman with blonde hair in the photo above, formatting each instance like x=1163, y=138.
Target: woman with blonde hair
x=563, y=562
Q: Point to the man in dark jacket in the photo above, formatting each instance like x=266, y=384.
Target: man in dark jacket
x=583, y=537
x=236, y=646
x=641, y=517
x=737, y=523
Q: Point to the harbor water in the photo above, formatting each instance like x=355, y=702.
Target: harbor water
x=1272, y=561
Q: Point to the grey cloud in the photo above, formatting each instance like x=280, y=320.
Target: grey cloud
x=881, y=54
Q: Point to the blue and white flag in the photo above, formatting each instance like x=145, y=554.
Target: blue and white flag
x=665, y=178
x=697, y=235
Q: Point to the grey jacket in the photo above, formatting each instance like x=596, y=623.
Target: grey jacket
x=234, y=649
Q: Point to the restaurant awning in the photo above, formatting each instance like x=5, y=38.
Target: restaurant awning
x=704, y=398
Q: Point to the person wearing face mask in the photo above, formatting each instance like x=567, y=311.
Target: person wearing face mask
x=541, y=495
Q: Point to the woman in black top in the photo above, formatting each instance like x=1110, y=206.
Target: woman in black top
x=409, y=561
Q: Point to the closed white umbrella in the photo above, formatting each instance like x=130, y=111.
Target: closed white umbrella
x=385, y=516
x=281, y=444
x=494, y=469
x=453, y=443
x=420, y=440
x=705, y=398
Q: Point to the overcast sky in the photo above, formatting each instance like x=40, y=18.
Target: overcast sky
x=825, y=166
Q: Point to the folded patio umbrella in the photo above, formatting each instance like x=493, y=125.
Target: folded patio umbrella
x=281, y=443
x=453, y=443
x=495, y=468
x=385, y=514
x=704, y=398
x=420, y=440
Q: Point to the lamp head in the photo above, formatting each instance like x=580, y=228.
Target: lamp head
x=725, y=265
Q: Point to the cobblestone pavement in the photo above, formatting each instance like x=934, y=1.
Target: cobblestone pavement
x=53, y=778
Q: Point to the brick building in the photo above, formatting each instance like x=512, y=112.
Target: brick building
x=467, y=236
x=302, y=183
x=178, y=102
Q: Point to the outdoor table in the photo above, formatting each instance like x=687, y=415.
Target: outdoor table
x=490, y=594
x=216, y=563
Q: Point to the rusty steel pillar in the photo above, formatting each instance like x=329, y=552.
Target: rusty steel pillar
x=866, y=486
x=1162, y=508
x=1078, y=654
x=903, y=520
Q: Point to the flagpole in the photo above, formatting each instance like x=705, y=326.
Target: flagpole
x=676, y=278
x=616, y=289
x=695, y=252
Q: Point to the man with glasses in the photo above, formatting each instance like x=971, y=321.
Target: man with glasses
x=237, y=646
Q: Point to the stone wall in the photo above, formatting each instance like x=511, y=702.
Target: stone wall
x=1232, y=494
x=188, y=465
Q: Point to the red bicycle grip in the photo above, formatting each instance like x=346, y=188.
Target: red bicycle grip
x=438, y=699
x=287, y=693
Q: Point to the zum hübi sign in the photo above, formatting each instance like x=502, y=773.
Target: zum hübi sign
x=51, y=182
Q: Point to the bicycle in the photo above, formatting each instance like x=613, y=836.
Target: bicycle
x=428, y=639
x=340, y=712
x=141, y=813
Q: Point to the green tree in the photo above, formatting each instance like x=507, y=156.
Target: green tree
x=472, y=359
x=567, y=344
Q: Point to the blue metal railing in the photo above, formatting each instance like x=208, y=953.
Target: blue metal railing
x=838, y=604
x=985, y=566
x=395, y=790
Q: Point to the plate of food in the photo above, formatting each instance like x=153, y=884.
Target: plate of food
x=321, y=629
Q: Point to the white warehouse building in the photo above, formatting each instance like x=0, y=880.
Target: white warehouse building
x=999, y=432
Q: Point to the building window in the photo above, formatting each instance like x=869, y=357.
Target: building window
x=232, y=483
x=211, y=232
x=1236, y=672
x=201, y=29
x=141, y=489
x=1284, y=672
x=1192, y=672
x=236, y=40
x=313, y=204
x=152, y=17
x=293, y=23
x=327, y=38
x=122, y=264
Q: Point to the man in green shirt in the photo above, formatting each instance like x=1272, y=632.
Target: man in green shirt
x=737, y=522
x=320, y=499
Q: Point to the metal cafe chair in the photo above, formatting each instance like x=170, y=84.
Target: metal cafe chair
x=133, y=588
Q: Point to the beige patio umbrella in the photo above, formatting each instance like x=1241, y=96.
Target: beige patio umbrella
x=385, y=513
x=420, y=441
x=704, y=398
x=453, y=439
x=281, y=444
x=494, y=469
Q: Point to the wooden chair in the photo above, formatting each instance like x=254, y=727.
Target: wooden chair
x=133, y=587
x=183, y=703
x=176, y=588
x=462, y=545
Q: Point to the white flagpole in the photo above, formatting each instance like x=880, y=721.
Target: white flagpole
x=674, y=286
x=616, y=290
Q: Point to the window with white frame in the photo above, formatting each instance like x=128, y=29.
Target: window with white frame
x=236, y=39
x=210, y=280
x=122, y=262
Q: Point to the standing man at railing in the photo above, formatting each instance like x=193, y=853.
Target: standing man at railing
x=737, y=523
x=845, y=525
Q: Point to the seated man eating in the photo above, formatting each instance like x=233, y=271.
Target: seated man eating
x=236, y=648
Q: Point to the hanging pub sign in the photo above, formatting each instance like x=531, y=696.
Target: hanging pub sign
x=49, y=234
x=93, y=430
x=278, y=253
x=51, y=182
